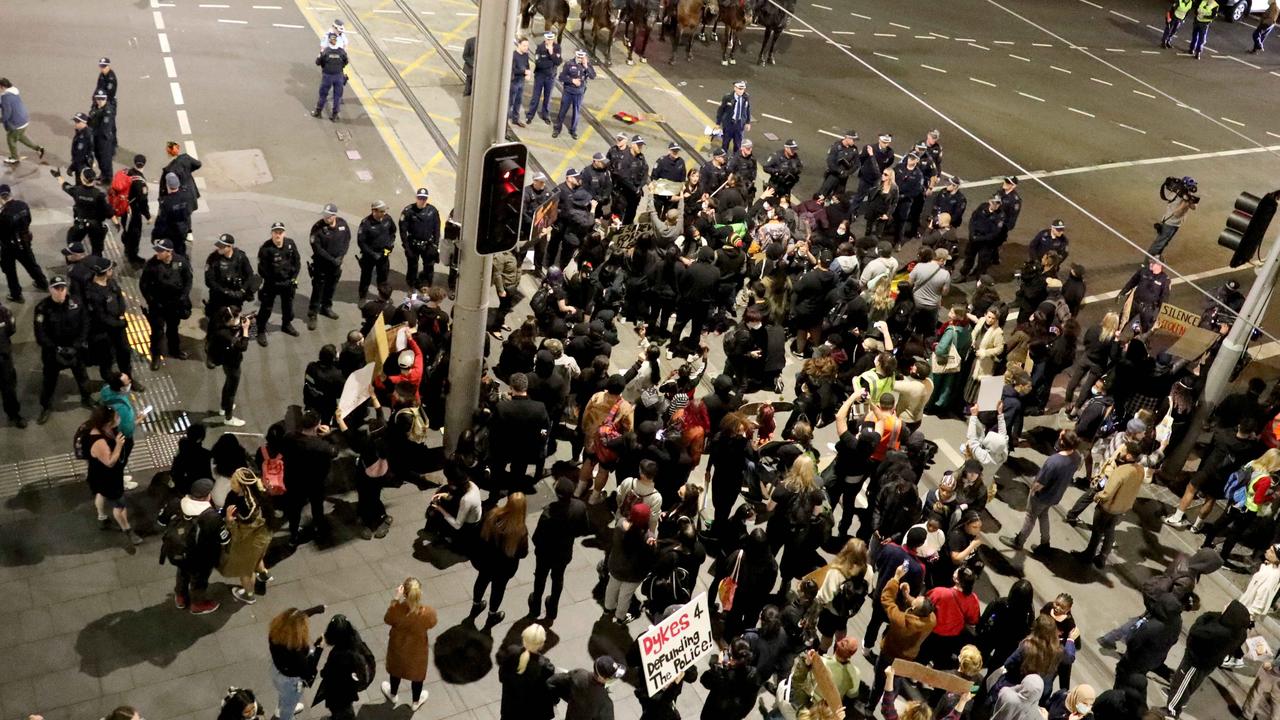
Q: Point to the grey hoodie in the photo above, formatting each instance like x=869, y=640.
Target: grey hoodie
x=1021, y=701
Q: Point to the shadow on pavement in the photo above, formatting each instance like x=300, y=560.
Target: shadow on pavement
x=464, y=654
x=155, y=635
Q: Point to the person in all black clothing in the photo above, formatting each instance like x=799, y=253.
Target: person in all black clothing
x=308, y=456
x=732, y=685
x=523, y=672
x=323, y=382
x=561, y=522
x=523, y=426
x=228, y=339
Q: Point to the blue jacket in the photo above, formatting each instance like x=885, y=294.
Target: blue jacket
x=575, y=70
x=13, y=110
x=123, y=407
x=519, y=66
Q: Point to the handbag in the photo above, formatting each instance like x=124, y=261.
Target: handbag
x=728, y=587
x=948, y=366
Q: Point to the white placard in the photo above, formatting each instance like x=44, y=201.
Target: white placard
x=356, y=390
x=675, y=644
x=990, y=388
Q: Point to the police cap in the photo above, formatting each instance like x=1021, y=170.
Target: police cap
x=277, y=225
x=673, y=146
x=422, y=193
x=75, y=248
x=225, y=240
x=104, y=62
x=162, y=245
x=790, y=144
x=4, y=191
x=80, y=118
x=1058, y=224
x=57, y=281
x=378, y=205
x=330, y=210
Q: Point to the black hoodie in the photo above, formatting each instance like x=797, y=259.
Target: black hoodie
x=1215, y=634
x=1150, y=644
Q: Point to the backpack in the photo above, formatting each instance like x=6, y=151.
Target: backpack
x=1237, y=487
x=118, y=193
x=180, y=537
x=272, y=472
x=80, y=442
x=366, y=665
x=540, y=303
x=417, y=432
x=607, y=433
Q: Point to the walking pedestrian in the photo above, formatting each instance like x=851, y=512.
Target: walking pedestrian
x=560, y=524
x=139, y=209
x=173, y=216
x=15, y=245
x=193, y=539
x=1206, y=13
x=504, y=542
x=278, y=265
x=82, y=156
x=102, y=121
x=1114, y=500
x=349, y=669
x=1212, y=638
x=1266, y=23
x=14, y=116
x=332, y=62
x=294, y=659
x=1173, y=19
x=409, y=646
x=573, y=79
x=245, y=559
x=1050, y=485
x=106, y=82
x=184, y=166
x=166, y=287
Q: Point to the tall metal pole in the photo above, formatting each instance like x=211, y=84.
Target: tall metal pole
x=484, y=123
x=1232, y=349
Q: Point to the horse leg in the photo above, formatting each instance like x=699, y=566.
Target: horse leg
x=724, y=50
x=608, y=49
x=776, y=34
x=688, y=49
x=675, y=43
x=733, y=48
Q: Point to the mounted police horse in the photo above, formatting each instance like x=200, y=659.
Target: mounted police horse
x=635, y=22
x=600, y=14
x=774, y=21
x=555, y=13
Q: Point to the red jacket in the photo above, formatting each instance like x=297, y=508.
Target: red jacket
x=953, y=609
x=411, y=375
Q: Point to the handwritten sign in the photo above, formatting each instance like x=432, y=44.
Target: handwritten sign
x=675, y=644
x=1176, y=320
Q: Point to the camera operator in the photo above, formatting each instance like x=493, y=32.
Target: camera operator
x=1180, y=194
x=228, y=339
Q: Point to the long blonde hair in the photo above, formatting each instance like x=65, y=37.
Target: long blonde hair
x=1268, y=462
x=802, y=475
x=507, y=523
x=412, y=596
x=1110, y=323
x=852, y=558
x=533, y=638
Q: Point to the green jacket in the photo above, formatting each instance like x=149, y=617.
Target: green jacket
x=1207, y=11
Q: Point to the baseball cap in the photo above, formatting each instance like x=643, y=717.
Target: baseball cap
x=1231, y=284
x=330, y=209
x=277, y=225
x=225, y=240
x=673, y=146
x=405, y=359
x=162, y=245
x=201, y=488
x=57, y=281
x=1058, y=224
x=607, y=667
x=171, y=181
x=378, y=205
x=75, y=248
x=941, y=255
x=422, y=193
x=104, y=61
x=790, y=144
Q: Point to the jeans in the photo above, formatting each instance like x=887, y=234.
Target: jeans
x=230, y=385
x=617, y=596
x=1103, y=534
x=335, y=82
x=514, y=96
x=1260, y=35
x=1163, y=237
x=289, y=690
x=543, y=569
x=1171, y=26
x=1199, y=35
x=1036, y=512
x=1124, y=631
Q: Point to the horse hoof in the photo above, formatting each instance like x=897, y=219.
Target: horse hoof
x=772, y=61
x=760, y=63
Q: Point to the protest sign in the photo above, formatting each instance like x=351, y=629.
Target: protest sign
x=675, y=644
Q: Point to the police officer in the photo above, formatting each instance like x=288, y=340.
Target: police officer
x=90, y=210
x=984, y=233
x=743, y=166
x=1150, y=287
x=933, y=147
x=536, y=195
x=1052, y=238
x=671, y=167
x=631, y=179
x=420, y=238
x=330, y=239
x=713, y=173
x=376, y=238
x=79, y=267
x=951, y=201
x=228, y=274
x=62, y=331
x=573, y=79
x=545, y=61
x=105, y=305
x=520, y=71
x=734, y=116
x=15, y=245
x=82, y=155
x=784, y=168
x=618, y=153
x=332, y=62
x=842, y=160
x=139, y=209
x=278, y=264
x=927, y=168
x=166, y=288
x=911, y=187
x=468, y=65
x=173, y=220
x=106, y=83
x=184, y=166
x=1011, y=204
x=8, y=373
x=564, y=203
x=102, y=120
x=598, y=181
x=872, y=163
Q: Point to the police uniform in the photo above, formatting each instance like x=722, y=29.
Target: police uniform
x=105, y=304
x=671, y=167
x=15, y=245
x=564, y=205
x=618, y=152
x=712, y=174
x=573, y=80
x=228, y=278
x=106, y=81
x=332, y=62
x=8, y=372
x=184, y=166
x=1044, y=241
x=420, y=238
x=102, y=120
x=733, y=116
x=984, y=233
x=952, y=203
x=139, y=208
x=82, y=155
x=631, y=179
x=599, y=182
x=79, y=272
x=515, y=95
x=62, y=333
x=166, y=288
x=784, y=171
x=375, y=239
x=279, y=268
x=173, y=221
x=1011, y=204
x=1150, y=290
x=842, y=160
x=329, y=245
x=911, y=186
x=742, y=165
x=545, y=62
x=90, y=212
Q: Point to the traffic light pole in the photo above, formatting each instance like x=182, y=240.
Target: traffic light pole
x=1232, y=349
x=484, y=122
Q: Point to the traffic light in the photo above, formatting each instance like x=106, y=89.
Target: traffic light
x=1247, y=225
x=501, y=191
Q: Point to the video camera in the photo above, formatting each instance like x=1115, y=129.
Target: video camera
x=1184, y=187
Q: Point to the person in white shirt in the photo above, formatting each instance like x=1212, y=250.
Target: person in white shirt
x=338, y=28
x=455, y=512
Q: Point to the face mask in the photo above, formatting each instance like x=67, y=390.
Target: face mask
x=754, y=326
x=1083, y=708
x=1095, y=391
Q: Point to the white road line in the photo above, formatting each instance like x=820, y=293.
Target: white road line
x=820, y=7
x=965, y=40
x=717, y=103
x=1273, y=134
x=213, y=5
x=287, y=25
x=983, y=82
x=1081, y=112
x=1061, y=70
x=176, y=89
x=775, y=117
x=1153, y=27
x=925, y=37
x=1102, y=82
x=886, y=57
x=1003, y=42
x=1019, y=57
x=1114, y=49
x=900, y=25
x=843, y=32
x=1131, y=163
x=1130, y=127
x=466, y=14
x=825, y=132
x=190, y=146
x=980, y=47
x=939, y=35
x=267, y=7
x=184, y=124
x=1093, y=4
x=1126, y=17
x=155, y=3
x=886, y=34
x=427, y=12
x=1233, y=122
x=1242, y=62
x=1144, y=94
x=792, y=33
x=158, y=18
x=1031, y=97
x=1150, y=52
x=952, y=456
x=164, y=42
x=1192, y=148
x=1041, y=44
x=840, y=45
x=233, y=22
x=169, y=69
x=935, y=69
x=857, y=15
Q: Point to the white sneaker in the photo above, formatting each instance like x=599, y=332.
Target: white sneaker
x=1233, y=663
x=129, y=483
x=242, y=596
x=297, y=709
x=233, y=421
x=386, y=692
x=420, y=701
x=596, y=498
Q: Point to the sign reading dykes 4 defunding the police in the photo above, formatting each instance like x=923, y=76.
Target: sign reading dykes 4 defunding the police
x=675, y=644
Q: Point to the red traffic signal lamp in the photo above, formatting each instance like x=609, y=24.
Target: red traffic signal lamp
x=1247, y=226
x=501, y=196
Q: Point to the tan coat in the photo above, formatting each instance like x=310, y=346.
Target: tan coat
x=409, y=645
x=912, y=396
x=907, y=631
x=988, y=344
x=597, y=410
x=1122, y=489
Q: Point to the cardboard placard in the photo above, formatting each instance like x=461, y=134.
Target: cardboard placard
x=675, y=644
x=355, y=391
x=990, y=390
x=376, y=348
x=930, y=677
x=1176, y=320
